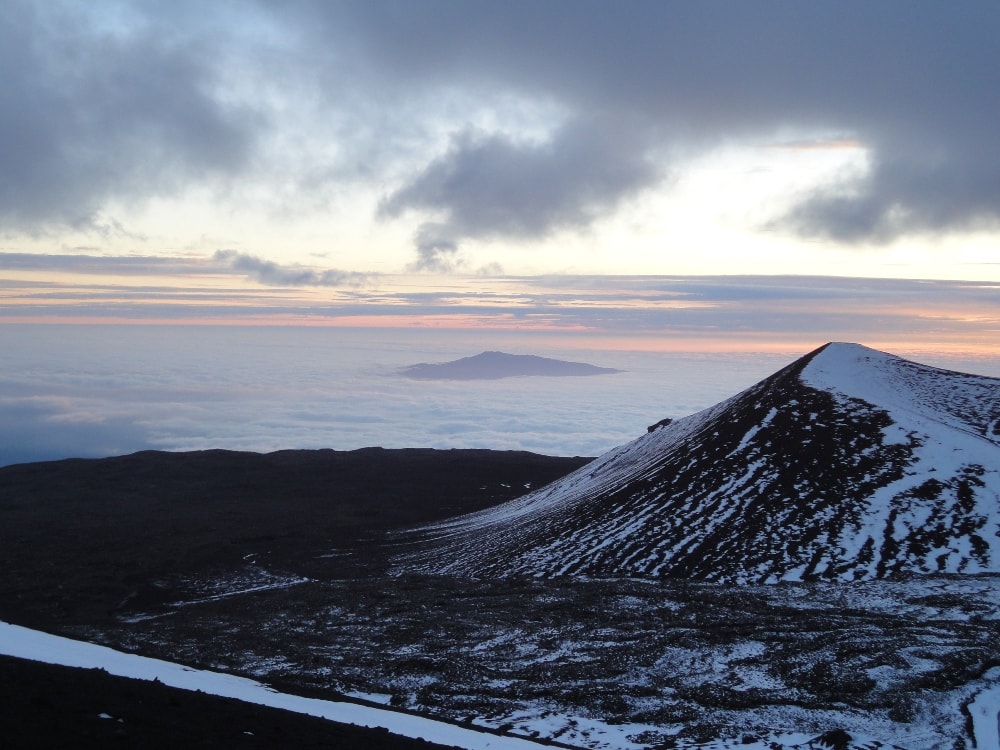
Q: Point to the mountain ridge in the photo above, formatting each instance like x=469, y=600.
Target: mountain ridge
x=847, y=464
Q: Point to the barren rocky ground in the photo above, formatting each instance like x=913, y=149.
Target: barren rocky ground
x=85, y=542
x=275, y=567
x=609, y=663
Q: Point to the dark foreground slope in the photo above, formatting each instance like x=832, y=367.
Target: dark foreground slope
x=848, y=464
x=44, y=706
x=79, y=538
x=85, y=542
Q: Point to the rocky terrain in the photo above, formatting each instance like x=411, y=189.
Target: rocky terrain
x=607, y=664
x=83, y=543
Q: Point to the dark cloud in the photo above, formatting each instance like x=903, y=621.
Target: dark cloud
x=437, y=247
x=92, y=115
x=489, y=186
x=272, y=274
x=903, y=196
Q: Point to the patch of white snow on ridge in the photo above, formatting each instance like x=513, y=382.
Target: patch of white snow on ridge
x=34, y=645
x=755, y=429
x=910, y=392
x=946, y=415
x=576, y=731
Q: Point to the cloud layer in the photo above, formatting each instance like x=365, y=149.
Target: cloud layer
x=654, y=312
x=89, y=391
x=273, y=274
x=493, y=120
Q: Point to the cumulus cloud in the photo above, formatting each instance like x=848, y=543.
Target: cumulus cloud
x=488, y=185
x=437, y=247
x=272, y=274
x=902, y=196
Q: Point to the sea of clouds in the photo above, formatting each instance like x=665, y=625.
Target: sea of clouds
x=101, y=390
x=89, y=391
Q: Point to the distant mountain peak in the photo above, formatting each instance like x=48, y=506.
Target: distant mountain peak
x=847, y=464
x=493, y=365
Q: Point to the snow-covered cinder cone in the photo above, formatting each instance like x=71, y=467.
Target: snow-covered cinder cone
x=848, y=464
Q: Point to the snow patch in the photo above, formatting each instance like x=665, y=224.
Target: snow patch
x=51, y=649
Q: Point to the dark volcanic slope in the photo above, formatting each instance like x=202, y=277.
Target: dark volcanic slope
x=44, y=706
x=847, y=464
x=90, y=533
x=496, y=365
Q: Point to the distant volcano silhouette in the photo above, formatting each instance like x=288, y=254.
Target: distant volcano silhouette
x=496, y=365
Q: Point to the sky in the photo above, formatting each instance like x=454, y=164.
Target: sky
x=524, y=138
x=642, y=177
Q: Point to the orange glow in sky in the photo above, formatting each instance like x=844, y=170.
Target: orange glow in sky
x=611, y=312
